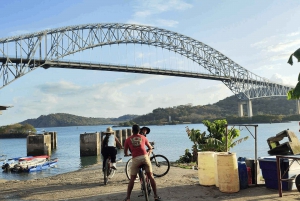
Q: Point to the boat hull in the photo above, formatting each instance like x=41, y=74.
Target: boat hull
x=29, y=164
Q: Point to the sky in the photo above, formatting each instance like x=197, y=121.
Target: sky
x=258, y=35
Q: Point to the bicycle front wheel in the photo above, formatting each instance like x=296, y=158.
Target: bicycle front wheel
x=160, y=165
x=144, y=185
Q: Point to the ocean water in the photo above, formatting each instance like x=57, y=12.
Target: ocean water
x=170, y=140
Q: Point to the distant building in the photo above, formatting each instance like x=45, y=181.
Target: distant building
x=170, y=120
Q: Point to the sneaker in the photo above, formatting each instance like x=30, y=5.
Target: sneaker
x=157, y=198
x=114, y=166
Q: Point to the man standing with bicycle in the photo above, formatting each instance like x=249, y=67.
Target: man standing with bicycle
x=136, y=143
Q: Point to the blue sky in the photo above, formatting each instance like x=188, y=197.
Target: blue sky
x=258, y=35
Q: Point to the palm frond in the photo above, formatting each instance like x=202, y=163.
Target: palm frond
x=238, y=141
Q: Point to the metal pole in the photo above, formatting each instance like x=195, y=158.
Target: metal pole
x=226, y=137
x=279, y=176
x=255, y=155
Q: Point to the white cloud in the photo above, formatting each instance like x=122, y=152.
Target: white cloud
x=285, y=80
x=293, y=34
x=138, y=95
x=280, y=57
x=167, y=23
x=283, y=46
x=142, y=14
x=61, y=87
x=146, y=12
x=159, y=6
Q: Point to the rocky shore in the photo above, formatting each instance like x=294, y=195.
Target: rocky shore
x=87, y=184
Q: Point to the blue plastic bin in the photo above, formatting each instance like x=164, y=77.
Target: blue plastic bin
x=243, y=174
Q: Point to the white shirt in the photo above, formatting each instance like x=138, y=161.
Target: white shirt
x=111, y=140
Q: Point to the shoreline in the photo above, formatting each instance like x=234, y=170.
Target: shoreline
x=87, y=184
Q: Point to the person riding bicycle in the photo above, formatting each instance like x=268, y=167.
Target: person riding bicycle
x=109, y=147
x=136, y=143
x=144, y=131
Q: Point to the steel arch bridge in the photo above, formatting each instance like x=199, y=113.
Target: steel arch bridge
x=22, y=54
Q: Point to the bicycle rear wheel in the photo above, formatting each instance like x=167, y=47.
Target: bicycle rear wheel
x=127, y=169
x=144, y=185
x=160, y=165
x=106, y=171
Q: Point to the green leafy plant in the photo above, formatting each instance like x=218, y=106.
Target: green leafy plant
x=186, y=158
x=215, y=139
x=294, y=93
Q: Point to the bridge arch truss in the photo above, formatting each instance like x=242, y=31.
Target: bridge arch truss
x=22, y=54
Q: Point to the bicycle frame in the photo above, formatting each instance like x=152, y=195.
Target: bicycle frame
x=157, y=160
x=145, y=183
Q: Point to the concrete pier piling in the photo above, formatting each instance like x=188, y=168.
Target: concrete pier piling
x=90, y=144
x=124, y=136
x=53, y=139
x=119, y=136
x=129, y=132
x=38, y=145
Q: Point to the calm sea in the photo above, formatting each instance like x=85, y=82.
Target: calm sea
x=170, y=140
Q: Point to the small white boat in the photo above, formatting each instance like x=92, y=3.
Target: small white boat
x=29, y=163
x=10, y=163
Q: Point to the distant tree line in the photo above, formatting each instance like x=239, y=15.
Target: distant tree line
x=16, y=131
x=63, y=119
x=265, y=110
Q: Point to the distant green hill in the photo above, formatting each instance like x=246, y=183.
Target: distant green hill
x=62, y=119
x=265, y=110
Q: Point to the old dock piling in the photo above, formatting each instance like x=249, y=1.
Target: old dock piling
x=124, y=136
x=38, y=145
x=129, y=132
x=119, y=136
x=53, y=139
x=90, y=144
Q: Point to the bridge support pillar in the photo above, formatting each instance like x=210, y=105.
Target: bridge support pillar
x=298, y=106
x=249, y=108
x=240, y=108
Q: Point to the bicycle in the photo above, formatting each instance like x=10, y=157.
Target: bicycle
x=108, y=171
x=160, y=164
x=145, y=183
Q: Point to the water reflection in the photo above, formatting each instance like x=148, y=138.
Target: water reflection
x=89, y=160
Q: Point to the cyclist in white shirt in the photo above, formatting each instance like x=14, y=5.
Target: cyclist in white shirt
x=109, y=147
